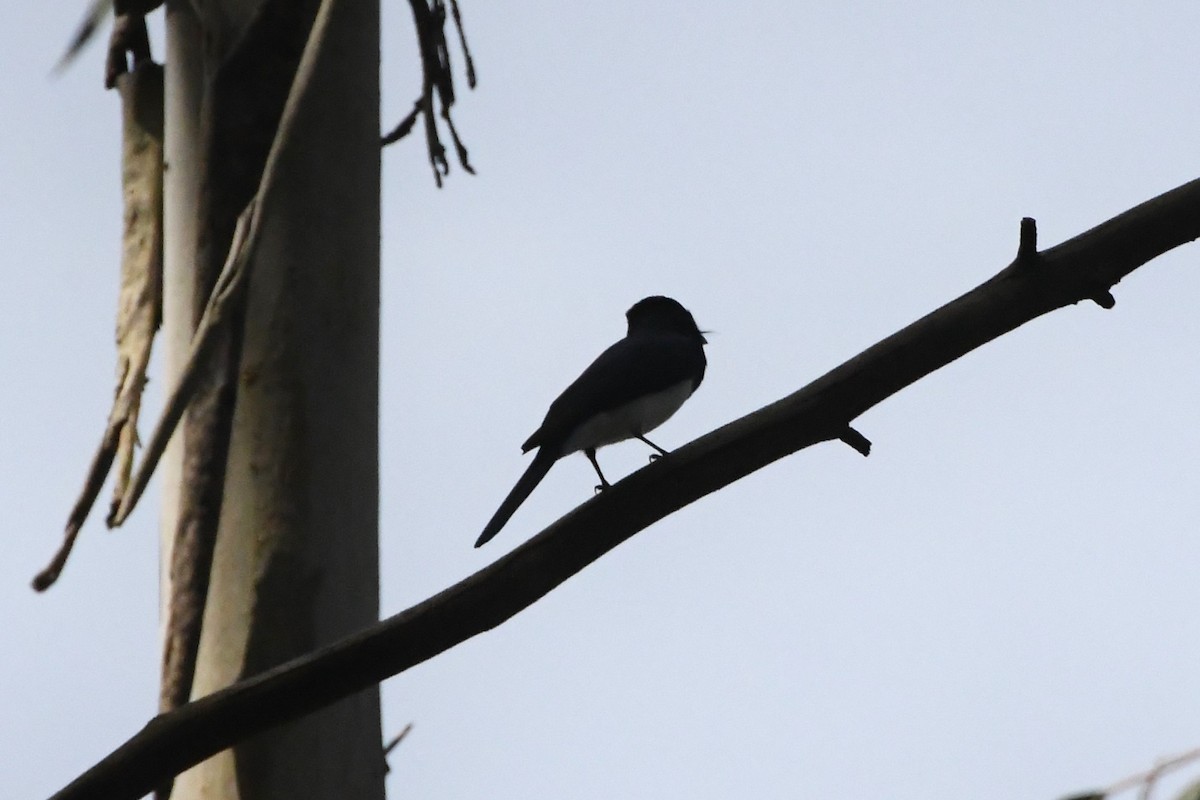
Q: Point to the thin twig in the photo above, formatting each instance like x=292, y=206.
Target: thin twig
x=46, y=578
x=93, y=483
x=405, y=127
x=397, y=739
x=462, y=41
x=429, y=19
x=390, y=746
x=1147, y=778
x=459, y=147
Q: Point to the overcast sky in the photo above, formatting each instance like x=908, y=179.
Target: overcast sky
x=999, y=603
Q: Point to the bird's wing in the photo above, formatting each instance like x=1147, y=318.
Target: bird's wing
x=633, y=367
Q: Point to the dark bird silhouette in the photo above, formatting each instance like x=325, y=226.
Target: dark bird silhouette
x=631, y=389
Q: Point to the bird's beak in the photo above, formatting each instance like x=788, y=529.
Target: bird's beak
x=702, y=339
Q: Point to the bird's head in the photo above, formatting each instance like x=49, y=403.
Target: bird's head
x=663, y=314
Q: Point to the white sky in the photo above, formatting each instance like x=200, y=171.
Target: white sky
x=999, y=602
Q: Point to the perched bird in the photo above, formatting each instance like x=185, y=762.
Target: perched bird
x=631, y=389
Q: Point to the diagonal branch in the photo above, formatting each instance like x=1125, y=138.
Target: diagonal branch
x=1082, y=268
x=226, y=294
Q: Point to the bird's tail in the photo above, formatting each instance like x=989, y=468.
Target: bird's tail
x=532, y=477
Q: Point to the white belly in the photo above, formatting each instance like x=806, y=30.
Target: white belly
x=632, y=419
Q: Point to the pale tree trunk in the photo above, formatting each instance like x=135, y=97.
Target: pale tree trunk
x=296, y=560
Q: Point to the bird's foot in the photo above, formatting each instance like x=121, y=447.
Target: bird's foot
x=656, y=455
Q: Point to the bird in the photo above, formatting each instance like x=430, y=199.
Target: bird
x=629, y=390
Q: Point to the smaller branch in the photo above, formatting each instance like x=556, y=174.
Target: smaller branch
x=228, y=290
x=462, y=41
x=1104, y=299
x=46, y=578
x=93, y=483
x=433, y=144
x=459, y=147
x=397, y=739
x=1143, y=781
x=390, y=746
x=404, y=128
x=1147, y=778
x=856, y=440
x=118, y=421
x=429, y=19
x=1027, y=249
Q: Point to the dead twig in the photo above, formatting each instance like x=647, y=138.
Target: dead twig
x=429, y=18
x=1147, y=779
x=462, y=41
x=393, y=744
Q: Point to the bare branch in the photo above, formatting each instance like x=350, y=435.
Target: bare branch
x=429, y=19
x=405, y=127
x=819, y=412
x=1146, y=780
x=462, y=41
x=397, y=739
x=856, y=440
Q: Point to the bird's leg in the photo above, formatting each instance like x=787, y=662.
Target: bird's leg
x=653, y=456
x=591, y=454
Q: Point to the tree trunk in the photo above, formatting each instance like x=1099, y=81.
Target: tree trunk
x=296, y=561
